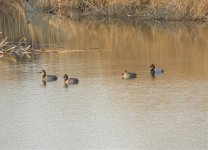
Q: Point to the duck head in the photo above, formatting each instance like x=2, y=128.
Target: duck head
x=66, y=81
x=152, y=66
x=124, y=72
x=66, y=77
x=43, y=72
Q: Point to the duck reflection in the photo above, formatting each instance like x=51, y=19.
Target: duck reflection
x=66, y=85
x=44, y=83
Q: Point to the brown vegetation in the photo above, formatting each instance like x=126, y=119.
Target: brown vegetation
x=140, y=9
x=17, y=50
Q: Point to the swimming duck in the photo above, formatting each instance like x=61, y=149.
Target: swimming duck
x=48, y=77
x=68, y=80
x=155, y=70
x=128, y=75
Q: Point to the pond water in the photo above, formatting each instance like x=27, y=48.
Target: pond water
x=103, y=111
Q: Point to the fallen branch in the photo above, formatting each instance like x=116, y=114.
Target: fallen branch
x=18, y=50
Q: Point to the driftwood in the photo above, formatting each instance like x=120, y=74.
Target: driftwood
x=19, y=49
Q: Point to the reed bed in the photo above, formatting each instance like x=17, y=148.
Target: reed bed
x=140, y=9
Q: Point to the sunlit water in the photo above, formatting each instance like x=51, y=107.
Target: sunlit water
x=103, y=111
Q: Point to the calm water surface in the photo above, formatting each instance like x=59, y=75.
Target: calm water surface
x=104, y=111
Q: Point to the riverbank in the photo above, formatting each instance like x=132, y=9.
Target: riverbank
x=135, y=9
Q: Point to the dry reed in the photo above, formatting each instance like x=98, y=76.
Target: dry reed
x=140, y=9
x=18, y=50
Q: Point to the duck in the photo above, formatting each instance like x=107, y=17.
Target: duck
x=128, y=75
x=48, y=77
x=69, y=81
x=155, y=70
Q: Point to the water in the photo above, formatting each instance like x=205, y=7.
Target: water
x=103, y=111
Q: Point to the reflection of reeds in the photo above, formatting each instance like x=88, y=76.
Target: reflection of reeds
x=144, y=41
x=12, y=19
x=166, y=44
x=143, y=9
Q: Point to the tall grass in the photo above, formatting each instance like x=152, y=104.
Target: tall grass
x=141, y=9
